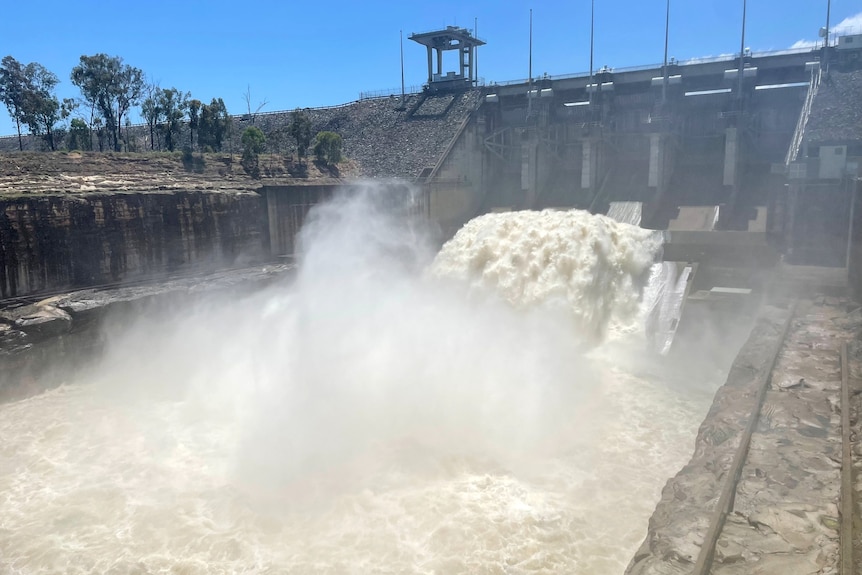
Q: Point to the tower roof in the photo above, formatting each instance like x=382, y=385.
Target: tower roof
x=445, y=39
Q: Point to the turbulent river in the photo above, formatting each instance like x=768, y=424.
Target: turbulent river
x=489, y=411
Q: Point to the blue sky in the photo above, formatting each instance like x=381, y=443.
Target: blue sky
x=297, y=54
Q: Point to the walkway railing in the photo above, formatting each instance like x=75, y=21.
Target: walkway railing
x=658, y=66
x=799, y=132
x=409, y=90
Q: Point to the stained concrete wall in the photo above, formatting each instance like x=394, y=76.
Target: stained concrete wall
x=54, y=242
x=457, y=185
x=709, y=147
x=287, y=208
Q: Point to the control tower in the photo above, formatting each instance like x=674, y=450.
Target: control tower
x=452, y=38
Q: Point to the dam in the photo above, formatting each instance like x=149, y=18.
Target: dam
x=451, y=372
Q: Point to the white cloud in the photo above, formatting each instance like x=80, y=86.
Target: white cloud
x=806, y=44
x=851, y=25
x=702, y=59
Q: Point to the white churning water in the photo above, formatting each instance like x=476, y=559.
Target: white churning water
x=587, y=267
x=369, y=417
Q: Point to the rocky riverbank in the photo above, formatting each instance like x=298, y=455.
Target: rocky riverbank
x=42, y=344
x=784, y=517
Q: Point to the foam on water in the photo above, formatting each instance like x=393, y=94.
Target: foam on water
x=367, y=417
x=589, y=267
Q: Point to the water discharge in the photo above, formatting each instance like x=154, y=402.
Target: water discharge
x=371, y=416
x=589, y=268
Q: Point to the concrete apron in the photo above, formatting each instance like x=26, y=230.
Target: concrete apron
x=784, y=512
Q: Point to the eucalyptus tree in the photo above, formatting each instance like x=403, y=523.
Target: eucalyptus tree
x=110, y=87
x=300, y=130
x=28, y=93
x=173, y=105
x=42, y=110
x=194, y=120
x=13, y=88
x=213, y=125
x=151, y=112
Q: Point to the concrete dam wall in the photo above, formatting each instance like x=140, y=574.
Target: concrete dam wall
x=54, y=242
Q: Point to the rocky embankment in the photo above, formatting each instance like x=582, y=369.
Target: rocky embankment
x=80, y=173
x=836, y=116
x=383, y=137
x=389, y=138
x=784, y=512
x=45, y=343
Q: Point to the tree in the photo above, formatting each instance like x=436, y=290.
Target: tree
x=41, y=110
x=128, y=94
x=300, y=131
x=79, y=135
x=275, y=140
x=151, y=112
x=28, y=92
x=173, y=105
x=110, y=87
x=13, y=87
x=95, y=78
x=253, y=144
x=213, y=125
x=327, y=148
x=252, y=116
x=194, y=119
x=98, y=127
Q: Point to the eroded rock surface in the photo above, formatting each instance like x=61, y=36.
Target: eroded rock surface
x=785, y=514
x=42, y=344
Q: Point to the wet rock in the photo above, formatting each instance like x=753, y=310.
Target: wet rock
x=30, y=350
x=784, y=518
x=41, y=321
x=12, y=340
x=679, y=525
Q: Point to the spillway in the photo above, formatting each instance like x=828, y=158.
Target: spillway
x=384, y=412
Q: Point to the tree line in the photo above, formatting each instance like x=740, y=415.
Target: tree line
x=110, y=88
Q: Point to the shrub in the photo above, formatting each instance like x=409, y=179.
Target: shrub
x=327, y=147
x=253, y=143
x=79, y=136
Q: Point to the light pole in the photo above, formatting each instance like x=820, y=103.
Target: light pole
x=591, y=87
x=741, y=53
x=475, y=69
x=666, y=34
x=530, y=70
x=826, y=43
